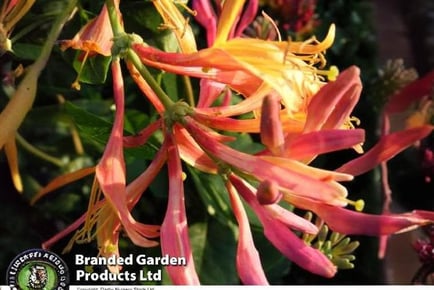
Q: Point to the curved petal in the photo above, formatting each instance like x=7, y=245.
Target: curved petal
x=334, y=102
x=385, y=149
x=410, y=93
x=207, y=18
x=248, y=260
x=350, y=222
x=324, y=141
x=110, y=171
x=191, y=152
x=284, y=239
x=298, y=183
x=174, y=231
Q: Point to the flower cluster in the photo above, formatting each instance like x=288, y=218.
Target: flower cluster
x=298, y=109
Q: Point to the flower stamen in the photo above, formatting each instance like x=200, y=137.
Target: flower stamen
x=358, y=204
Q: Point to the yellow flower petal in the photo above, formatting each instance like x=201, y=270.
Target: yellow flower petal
x=231, y=9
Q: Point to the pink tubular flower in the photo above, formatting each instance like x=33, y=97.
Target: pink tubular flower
x=209, y=18
x=248, y=260
x=312, y=186
x=356, y=223
x=271, y=126
x=284, y=239
x=174, y=230
x=110, y=171
x=391, y=143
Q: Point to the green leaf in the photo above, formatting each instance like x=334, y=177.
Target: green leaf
x=214, y=251
x=213, y=193
x=27, y=51
x=96, y=130
x=141, y=16
x=94, y=70
x=92, y=128
x=135, y=120
x=169, y=82
x=168, y=41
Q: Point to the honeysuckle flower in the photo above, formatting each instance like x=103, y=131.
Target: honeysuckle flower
x=100, y=220
x=387, y=147
x=248, y=260
x=206, y=16
x=244, y=64
x=197, y=140
x=110, y=171
x=271, y=126
x=96, y=37
x=209, y=18
x=357, y=223
x=415, y=128
x=174, y=230
x=284, y=239
x=175, y=21
x=114, y=210
x=415, y=122
x=312, y=186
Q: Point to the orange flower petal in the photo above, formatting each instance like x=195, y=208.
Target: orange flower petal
x=95, y=37
x=62, y=181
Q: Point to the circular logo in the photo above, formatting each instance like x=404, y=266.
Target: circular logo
x=37, y=269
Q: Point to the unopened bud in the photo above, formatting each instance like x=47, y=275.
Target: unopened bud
x=271, y=127
x=268, y=192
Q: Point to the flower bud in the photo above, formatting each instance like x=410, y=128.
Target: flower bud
x=268, y=192
x=271, y=127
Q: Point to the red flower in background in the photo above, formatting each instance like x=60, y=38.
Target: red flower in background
x=295, y=15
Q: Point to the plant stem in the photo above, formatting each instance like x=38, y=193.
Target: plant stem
x=114, y=17
x=53, y=35
x=22, y=100
x=188, y=90
x=144, y=72
x=133, y=57
x=37, y=152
